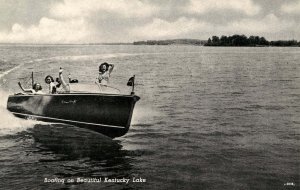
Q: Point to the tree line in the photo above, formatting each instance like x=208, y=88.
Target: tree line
x=242, y=40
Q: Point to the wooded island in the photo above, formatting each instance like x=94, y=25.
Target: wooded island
x=242, y=40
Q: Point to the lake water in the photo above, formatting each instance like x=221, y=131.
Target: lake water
x=208, y=118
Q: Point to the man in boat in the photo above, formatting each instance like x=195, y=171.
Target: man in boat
x=105, y=70
x=36, y=89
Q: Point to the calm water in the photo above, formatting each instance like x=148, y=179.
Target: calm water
x=208, y=118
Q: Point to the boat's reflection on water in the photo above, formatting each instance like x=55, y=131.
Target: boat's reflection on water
x=81, y=152
x=74, y=142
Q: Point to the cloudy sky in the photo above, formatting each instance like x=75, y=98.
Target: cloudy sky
x=86, y=21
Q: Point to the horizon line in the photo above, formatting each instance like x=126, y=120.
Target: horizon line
x=115, y=43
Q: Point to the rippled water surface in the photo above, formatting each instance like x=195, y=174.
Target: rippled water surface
x=208, y=118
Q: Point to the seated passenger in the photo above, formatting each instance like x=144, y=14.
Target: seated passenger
x=52, y=86
x=59, y=85
x=36, y=89
x=72, y=80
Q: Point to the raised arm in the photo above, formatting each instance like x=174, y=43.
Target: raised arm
x=65, y=86
x=24, y=89
x=110, y=68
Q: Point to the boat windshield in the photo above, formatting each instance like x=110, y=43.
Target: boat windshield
x=93, y=88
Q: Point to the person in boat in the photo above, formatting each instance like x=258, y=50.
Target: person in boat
x=105, y=70
x=52, y=86
x=36, y=89
x=60, y=82
x=72, y=80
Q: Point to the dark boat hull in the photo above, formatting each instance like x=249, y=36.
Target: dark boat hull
x=108, y=114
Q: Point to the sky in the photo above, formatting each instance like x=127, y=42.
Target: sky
x=108, y=21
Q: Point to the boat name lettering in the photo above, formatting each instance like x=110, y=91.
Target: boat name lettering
x=68, y=101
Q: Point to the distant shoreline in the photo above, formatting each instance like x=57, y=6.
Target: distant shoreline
x=214, y=41
x=172, y=42
x=225, y=41
x=57, y=44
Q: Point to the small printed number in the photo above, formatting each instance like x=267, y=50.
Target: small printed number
x=289, y=184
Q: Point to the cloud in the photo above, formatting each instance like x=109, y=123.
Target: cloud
x=71, y=21
x=196, y=28
x=204, y=6
x=269, y=24
x=159, y=28
x=77, y=21
x=124, y=8
x=271, y=27
x=48, y=31
x=292, y=8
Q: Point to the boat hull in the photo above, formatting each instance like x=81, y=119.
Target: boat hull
x=108, y=114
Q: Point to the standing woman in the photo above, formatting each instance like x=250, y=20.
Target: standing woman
x=105, y=70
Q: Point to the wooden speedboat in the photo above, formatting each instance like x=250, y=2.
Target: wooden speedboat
x=109, y=114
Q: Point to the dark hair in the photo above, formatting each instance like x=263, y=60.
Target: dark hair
x=51, y=78
x=58, y=82
x=35, y=86
x=101, y=67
